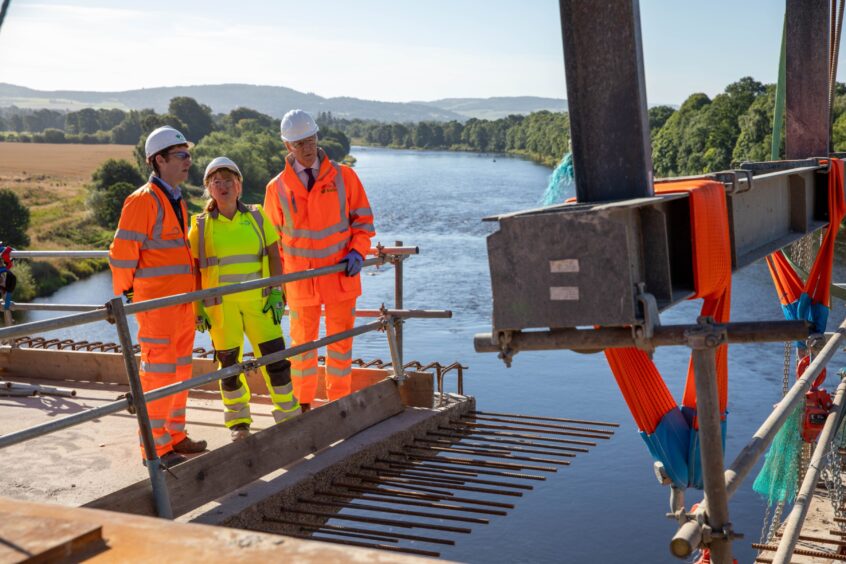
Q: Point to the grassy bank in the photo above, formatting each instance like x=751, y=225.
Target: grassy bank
x=50, y=180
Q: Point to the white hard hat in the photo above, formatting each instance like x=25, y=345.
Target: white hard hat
x=219, y=163
x=162, y=138
x=297, y=125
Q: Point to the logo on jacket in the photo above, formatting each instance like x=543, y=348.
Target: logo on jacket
x=329, y=188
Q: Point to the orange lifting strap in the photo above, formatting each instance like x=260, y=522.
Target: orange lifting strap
x=670, y=431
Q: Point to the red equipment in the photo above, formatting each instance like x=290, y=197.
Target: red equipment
x=817, y=404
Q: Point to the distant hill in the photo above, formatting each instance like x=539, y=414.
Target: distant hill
x=276, y=100
x=495, y=108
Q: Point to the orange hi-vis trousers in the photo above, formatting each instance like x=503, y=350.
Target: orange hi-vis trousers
x=166, y=337
x=305, y=321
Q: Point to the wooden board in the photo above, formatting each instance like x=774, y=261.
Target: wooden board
x=88, y=366
x=216, y=473
x=43, y=538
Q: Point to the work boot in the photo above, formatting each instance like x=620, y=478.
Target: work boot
x=189, y=446
x=305, y=407
x=239, y=431
x=169, y=459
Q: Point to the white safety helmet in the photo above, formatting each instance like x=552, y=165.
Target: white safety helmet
x=219, y=163
x=297, y=125
x=162, y=138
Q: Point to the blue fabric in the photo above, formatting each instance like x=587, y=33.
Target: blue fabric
x=561, y=183
x=669, y=444
x=694, y=457
x=806, y=309
x=354, y=261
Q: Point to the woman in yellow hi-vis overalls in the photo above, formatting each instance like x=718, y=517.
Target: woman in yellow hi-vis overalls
x=233, y=242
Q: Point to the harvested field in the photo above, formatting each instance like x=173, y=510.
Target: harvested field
x=34, y=162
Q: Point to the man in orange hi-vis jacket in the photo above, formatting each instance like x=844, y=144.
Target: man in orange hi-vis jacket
x=150, y=258
x=323, y=218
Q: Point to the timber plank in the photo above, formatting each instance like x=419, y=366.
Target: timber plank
x=212, y=475
x=43, y=538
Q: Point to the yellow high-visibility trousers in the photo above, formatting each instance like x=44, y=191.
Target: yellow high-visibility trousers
x=246, y=317
x=305, y=322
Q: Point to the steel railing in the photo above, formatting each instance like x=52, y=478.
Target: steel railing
x=116, y=312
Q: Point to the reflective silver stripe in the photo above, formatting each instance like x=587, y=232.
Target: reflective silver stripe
x=235, y=278
x=159, y=224
x=177, y=427
x=297, y=373
x=339, y=355
x=119, y=263
x=201, y=234
x=338, y=371
x=178, y=412
x=161, y=367
x=129, y=235
x=238, y=259
x=342, y=191
x=153, y=271
x=231, y=415
x=235, y=395
x=364, y=227
x=287, y=405
x=282, y=390
x=360, y=212
x=162, y=440
x=163, y=244
x=282, y=194
x=154, y=340
x=208, y=261
x=157, y=423
x=307, y=355
x=279, y=416
x=183, y=360
x=259, y=229
x=315, y=253
x=339, y=227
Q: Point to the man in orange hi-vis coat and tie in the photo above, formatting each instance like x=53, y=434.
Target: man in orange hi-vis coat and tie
x=323, y=218
x=150, y=258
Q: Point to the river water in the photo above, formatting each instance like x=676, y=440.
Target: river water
x=607, y=506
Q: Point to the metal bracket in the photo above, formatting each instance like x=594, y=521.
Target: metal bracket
x=506, y=353
x=128, y=396
x=643, y=332
x=708, y=334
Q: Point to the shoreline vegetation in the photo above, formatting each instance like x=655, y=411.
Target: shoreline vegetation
x=72, y=170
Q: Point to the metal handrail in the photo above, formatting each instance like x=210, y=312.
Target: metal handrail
x=117, y=312
x=189, y=297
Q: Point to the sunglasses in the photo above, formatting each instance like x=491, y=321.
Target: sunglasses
x=305, y=142
x=181, y=155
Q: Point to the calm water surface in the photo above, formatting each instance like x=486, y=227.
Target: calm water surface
x=606, y=507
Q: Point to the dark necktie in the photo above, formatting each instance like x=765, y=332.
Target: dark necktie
x=310, y=174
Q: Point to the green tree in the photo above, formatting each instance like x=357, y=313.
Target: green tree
x=107, y=204
x=15, y=219
x=114, y=171
x=54, y=135
x=658, y=116
x=196, y=117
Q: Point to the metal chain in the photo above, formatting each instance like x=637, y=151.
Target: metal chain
x=766, y=528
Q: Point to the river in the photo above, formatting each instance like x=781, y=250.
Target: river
x=607, y=506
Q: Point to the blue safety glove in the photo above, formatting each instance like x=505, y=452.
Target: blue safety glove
x=129, y=295
x=354, y=261
x=275, y=304
x=201, y=317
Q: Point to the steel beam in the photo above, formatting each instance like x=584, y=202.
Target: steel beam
x=606, y=94
x=807, y=131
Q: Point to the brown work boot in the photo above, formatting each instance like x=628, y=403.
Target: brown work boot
x=239, y=431
x=305, y=407
x=189, y=446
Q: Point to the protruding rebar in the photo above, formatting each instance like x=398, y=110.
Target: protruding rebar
x=411, y=492
x=465, y=470
x=365, y=507
x=380, y=521
x=391, y=534
x=415, y=503
x=540, y=418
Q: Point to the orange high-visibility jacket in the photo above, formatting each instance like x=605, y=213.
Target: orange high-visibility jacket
x=319, y=227
x=150, y=252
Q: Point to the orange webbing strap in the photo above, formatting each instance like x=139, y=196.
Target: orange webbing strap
x=640, y=382
x=818, y=285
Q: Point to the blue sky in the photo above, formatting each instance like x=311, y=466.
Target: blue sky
x=397, y=50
